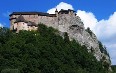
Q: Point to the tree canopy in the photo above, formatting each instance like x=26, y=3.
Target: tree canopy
x=44, y=51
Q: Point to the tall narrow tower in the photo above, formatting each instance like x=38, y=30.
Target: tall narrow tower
x=56, y=12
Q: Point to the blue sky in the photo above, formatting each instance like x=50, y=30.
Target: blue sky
x=100, y=13
x=100, y=8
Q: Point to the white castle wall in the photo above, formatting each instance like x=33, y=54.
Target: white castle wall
x=21, y=26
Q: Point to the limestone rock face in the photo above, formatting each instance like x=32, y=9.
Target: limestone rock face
x=75, y=29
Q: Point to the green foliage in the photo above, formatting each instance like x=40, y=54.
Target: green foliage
x=44, y=51
x=102, y=49
x=10, y=71
x=66, y=37
x=89, y=31
x=114, y=68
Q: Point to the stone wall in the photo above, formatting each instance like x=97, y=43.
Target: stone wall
x=36, y=19
x=21, y=26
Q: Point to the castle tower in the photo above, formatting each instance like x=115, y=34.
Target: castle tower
x=56, y=12
x=20, y=24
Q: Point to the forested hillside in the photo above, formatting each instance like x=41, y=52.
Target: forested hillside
x=44, y=51
x=114, y=68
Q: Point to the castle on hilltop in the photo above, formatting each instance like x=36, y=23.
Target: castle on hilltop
x=29, y=20
x=63, y=21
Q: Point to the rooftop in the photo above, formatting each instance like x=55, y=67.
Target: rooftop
x=20, y=19
x=41, y=13
x=31, y=24
x=29, y=13
x=65, y=11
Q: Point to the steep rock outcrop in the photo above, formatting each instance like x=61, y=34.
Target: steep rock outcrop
x=75, y=29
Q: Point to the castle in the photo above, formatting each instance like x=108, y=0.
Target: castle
x=29, y=20
x=63, y=20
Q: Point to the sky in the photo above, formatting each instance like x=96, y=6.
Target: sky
x=99, y=15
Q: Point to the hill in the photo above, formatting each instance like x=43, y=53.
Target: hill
x=45, y=51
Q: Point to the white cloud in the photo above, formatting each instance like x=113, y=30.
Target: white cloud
x=102, y=28
x=107, y=27
x=88, y=19
x=1, y=25
x=60, y=6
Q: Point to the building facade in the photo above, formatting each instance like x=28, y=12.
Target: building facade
x=30, y=20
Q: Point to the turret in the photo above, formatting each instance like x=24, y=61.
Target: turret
x=20, y=24
x=56, y=12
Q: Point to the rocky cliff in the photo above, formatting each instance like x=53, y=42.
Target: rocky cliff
x=75, y=29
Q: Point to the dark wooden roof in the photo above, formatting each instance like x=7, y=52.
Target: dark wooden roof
x=12, y=18
x=31, y=24
x=52, y=15
x=29, y=13
x=40, y=13
x=65, y=11
x=20, y=19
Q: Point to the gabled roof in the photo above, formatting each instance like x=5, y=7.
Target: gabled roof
x=31, y=24
x=29, y=13
x=20, y=19
x=65, y=11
